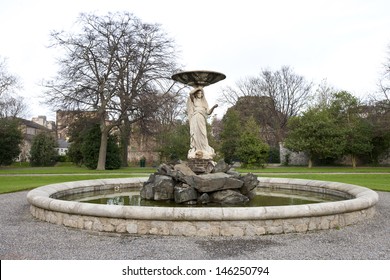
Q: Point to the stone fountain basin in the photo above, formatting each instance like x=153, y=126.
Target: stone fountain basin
x=206, y=221
x=198, y=77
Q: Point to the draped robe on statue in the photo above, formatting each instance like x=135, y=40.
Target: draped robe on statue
x=198, y=111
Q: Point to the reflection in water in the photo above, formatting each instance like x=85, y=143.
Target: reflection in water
x=265, y=197
x=117, y=200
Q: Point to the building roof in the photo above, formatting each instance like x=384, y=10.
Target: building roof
x=33, y=124
x=62, y=143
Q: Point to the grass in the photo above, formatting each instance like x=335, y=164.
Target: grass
x=331, y=169
x=378, y=182
x=22, y=178
x=376, y=178
x=72, y=169
x=22, y=183
x=17, y=178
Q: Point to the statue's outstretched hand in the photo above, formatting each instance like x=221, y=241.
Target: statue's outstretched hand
x=212, y=109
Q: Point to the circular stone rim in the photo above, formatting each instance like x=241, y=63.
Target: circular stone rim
x=363, y=198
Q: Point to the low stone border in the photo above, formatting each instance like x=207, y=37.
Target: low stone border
x=223, y=221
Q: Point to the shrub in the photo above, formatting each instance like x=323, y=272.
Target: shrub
x=252, y=151
x=90, y=149
x=10, y=140
x=43, y=152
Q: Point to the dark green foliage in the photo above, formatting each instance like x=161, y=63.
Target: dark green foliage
x=77, y=133
x=358, y=139
x=316, y=133
x=10, y=140
x=113, y=159
x=274, y=155
x=357, y=130
x=251, y=150
x=379, y=120
x=381, y=146
x=242, y=143
x=329, y=132
x=174, y=143
x=43, y=152
x=75, y=154
x=90, y=149
x=85, y=137
x=230, y=135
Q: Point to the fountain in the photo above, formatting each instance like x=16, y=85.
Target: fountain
x=201, y=181
x=359, y=204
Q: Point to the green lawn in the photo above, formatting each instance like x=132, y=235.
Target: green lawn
x=295, y=169
x=378, y=182
x=72, y=169
x=21, y=183
x=25, y=178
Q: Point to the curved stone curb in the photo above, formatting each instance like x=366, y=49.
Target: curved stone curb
x=225, y=221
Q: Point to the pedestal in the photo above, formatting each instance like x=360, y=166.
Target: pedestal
x=200, y=166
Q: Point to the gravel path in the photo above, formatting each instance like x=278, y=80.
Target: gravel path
x=24, y=237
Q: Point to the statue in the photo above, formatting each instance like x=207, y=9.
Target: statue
x=198, y=111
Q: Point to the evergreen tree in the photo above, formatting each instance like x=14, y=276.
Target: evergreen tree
x=174, y=143
x=317, y=133
x=43, y=152
x=230, y=135
x=251, y=150
x=77, y=133
x=357, y=131
x=10, y=140
x=358, y=139
x=90, y=149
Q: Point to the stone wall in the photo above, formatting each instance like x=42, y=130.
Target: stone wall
x=202, y=228
x=385, y=158
x=288, y=157
x=301, y=158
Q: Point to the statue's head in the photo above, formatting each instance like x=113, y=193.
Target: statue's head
x=199, y=93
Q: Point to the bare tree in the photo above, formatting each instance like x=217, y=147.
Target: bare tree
x=11, y=104
x=290, y=93
x=171, y=109
x=145, y=66
x=283, y=94
x=384, y=81
x=323, y=95
x=111, y=66
x=248, y=86
x=378, y=103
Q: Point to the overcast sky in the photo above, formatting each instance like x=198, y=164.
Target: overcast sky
x=345, y=42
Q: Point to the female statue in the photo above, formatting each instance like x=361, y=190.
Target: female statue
x=198, y=111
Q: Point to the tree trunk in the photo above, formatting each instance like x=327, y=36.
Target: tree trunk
x=353, y=159
x=310, y=163
x=125, y=142
x=103, y=150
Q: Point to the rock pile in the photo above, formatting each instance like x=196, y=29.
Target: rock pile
x=180, y=184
